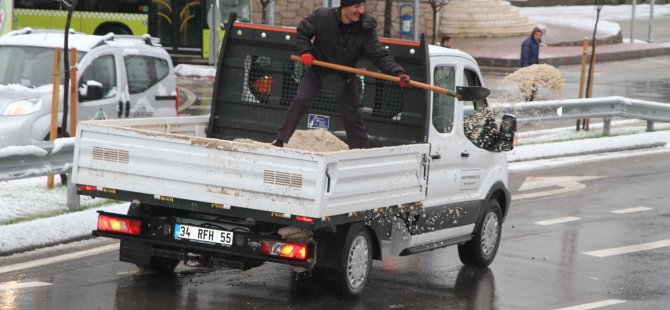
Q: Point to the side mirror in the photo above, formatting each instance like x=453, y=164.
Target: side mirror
x=91, y=90
x=507, y=132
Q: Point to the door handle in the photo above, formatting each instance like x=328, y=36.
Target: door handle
x=465, y=154
x=120, y=109
x=435, y=156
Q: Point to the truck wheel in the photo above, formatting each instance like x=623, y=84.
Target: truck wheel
x=356, y=263
x=481, y=250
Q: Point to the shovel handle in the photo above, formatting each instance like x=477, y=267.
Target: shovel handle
x=379, y=76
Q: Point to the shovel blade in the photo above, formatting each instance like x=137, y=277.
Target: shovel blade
x=472, y=93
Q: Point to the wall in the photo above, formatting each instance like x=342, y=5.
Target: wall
x=291, y=12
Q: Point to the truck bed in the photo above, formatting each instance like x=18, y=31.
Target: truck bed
x=171, y=159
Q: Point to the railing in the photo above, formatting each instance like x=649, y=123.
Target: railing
x=50, y=158
x=40, y=159
x=605, y=107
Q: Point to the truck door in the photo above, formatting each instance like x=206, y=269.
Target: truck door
x=179, y=24
x=102, y=70
x=445, y=141
x=476, y=126
x=457, y=166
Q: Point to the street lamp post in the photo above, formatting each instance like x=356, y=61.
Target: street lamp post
x=651, y=20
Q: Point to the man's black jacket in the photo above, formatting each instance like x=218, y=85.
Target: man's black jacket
x=360, y=39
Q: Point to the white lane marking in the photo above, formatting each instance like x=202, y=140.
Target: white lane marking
x=558, y=220
x=631, y=210
x=15, y=285
x=594, y=305
x=59, y=258
x=629, y=249
x=564, y=184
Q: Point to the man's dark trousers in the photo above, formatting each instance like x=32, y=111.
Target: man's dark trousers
x=347, y=97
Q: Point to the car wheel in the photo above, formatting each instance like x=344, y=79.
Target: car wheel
x=482, y=249
x=355, y=265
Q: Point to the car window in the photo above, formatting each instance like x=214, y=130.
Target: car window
x=478, y=121
x=144, y=72
x=103, y=71
x=443, y=105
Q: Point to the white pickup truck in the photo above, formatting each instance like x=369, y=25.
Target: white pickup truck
x=435, y=176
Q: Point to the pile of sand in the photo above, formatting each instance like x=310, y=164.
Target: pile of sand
x=543, y=82
x=317, y=140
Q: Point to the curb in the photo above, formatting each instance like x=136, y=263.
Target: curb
x=484, y=61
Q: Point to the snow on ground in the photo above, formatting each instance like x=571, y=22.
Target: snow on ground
x=29, y=199
x=608, y=12
x=583, y=16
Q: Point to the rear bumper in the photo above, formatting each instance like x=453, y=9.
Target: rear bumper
x=244, y=251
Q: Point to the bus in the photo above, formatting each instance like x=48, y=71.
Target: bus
x=182, y=25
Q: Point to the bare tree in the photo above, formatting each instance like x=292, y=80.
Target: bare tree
x=388, y=18
x=437, y=5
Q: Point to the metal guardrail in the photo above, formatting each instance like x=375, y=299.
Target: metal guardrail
x=50, y=158
x=40, y=159
x=605, y=107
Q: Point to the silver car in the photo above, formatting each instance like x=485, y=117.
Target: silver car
x=117, y=77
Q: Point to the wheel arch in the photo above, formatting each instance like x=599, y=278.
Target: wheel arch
x=103, y=28
x=500, y=193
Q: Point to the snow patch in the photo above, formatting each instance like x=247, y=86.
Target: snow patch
x=22, y=151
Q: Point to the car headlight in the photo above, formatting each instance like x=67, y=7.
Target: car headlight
x=23, y=107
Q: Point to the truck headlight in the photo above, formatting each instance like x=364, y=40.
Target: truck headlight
x=23, y=107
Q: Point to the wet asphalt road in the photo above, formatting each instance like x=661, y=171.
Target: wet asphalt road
x=537, y=267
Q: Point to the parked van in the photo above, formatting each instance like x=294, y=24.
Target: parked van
x=117, y=77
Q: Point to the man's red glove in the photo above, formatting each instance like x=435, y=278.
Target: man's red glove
x=307, y=59
x=404, y=80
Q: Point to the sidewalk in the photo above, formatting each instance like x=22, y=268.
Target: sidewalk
x=566, y=28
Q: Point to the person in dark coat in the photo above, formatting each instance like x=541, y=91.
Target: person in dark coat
x=342, y=36
x=530, y=48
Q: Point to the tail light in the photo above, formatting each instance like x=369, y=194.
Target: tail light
x=176, y=101
x=284, y=249
x=120, y=225
x=87, y=187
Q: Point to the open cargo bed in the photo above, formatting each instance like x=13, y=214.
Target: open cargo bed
x=164, y=159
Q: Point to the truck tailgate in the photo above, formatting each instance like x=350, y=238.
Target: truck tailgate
x=145, y=156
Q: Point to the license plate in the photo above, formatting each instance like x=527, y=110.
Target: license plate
x=204, y=235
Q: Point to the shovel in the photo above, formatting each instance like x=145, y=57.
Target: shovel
x=464, y=93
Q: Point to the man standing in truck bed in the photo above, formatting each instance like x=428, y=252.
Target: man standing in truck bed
x=338, y=35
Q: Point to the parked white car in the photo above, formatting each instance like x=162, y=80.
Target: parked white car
x=117, y=77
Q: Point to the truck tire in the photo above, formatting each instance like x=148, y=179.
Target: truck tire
x=355, y=263
x=482, y=249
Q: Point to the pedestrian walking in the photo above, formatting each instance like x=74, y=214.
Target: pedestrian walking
x=530, y=55
x=530, y=48
x=342, y=36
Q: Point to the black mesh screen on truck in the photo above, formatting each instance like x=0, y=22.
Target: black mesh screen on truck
x=256, y=82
